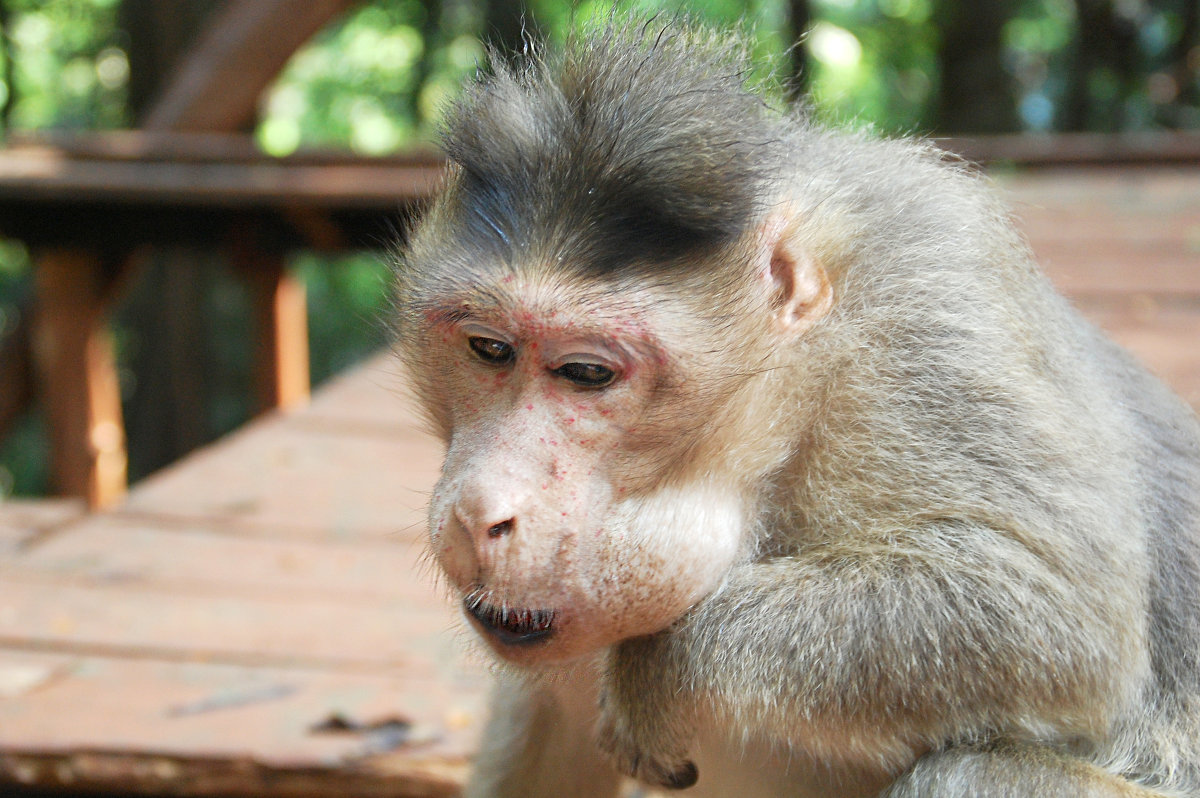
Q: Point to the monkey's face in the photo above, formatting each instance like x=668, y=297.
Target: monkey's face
x=561, y=516
x=605, y=436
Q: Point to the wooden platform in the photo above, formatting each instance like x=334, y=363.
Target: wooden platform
x=257, y=619
x=213, y=634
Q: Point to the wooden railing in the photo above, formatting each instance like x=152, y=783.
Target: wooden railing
x=88, y=206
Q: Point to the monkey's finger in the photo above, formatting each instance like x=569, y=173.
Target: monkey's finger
x=683, y=777
x=680, y=778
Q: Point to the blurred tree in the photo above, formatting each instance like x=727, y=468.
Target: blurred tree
x=507, y=26
x=799, y=22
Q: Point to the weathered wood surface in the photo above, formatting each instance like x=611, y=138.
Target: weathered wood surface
x=1124, y=244
x=194, y=640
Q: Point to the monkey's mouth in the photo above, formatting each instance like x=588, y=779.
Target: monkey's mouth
x=509, y=625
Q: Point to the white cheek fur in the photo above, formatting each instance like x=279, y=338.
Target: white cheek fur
x=682, y=541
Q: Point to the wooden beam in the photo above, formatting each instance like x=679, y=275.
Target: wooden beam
x=73, y=350
x=217, y=85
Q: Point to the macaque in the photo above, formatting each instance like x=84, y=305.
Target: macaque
x=774, y=466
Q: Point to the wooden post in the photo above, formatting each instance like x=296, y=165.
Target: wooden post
x=77, y=367
x=280, y=309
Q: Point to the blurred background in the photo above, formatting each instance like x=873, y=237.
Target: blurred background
x=372, y=83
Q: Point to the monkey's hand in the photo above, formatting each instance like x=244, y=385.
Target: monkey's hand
x=645, y=714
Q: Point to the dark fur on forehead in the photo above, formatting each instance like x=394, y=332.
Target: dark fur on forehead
x=632, y=147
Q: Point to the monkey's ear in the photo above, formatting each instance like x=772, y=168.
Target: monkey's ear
x=800, y=289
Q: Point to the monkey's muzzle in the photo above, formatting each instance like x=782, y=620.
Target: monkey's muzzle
x=509, y=626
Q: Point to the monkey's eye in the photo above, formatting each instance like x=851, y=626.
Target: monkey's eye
x=586, y=375
x=490, y=350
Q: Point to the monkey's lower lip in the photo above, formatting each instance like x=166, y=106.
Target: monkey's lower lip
x=512, y=627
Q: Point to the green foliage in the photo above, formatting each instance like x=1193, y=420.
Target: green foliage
x=373, y=83
x=874, y=62
x=68, y=69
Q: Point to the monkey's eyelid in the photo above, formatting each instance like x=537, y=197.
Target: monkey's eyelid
x=481, y=331
x=586, y=358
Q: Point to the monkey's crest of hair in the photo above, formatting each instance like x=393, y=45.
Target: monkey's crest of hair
x=639, y=144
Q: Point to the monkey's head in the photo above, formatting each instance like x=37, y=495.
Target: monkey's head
x=583, y=311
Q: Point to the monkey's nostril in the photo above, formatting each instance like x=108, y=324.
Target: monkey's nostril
x=501, y=529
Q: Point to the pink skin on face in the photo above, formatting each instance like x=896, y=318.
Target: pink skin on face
x=532, y=517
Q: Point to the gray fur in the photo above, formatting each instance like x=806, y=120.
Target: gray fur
x=614, y=158
x=985, y=521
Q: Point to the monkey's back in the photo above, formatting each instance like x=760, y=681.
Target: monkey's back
x=1165, y=736
x=974, y=390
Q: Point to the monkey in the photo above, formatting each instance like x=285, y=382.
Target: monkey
x=774, y=464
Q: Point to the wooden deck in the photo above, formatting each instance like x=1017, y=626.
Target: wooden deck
x=210, y=635
x=257, y=621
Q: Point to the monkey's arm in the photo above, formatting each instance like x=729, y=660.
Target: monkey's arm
x=894, y=646
x=538, y=742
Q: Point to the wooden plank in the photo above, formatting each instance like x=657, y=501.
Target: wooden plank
x=218, y=83
x=195, y=658
x=45, y=175
x=150, y=622
x=1163, y=333
x=373, y=395
x=1142, y=196
x=135, y=773
x=355, y=474
x=174, y=146
x=313, y=481
x=204, y=710
x=114, y=549
x=78, y=373
x=1112, y=232
x=1178, y=228
x=1086, y=268
x=23, y=520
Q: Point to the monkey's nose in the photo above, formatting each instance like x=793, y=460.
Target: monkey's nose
x=484, y=525
x=501, y=529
